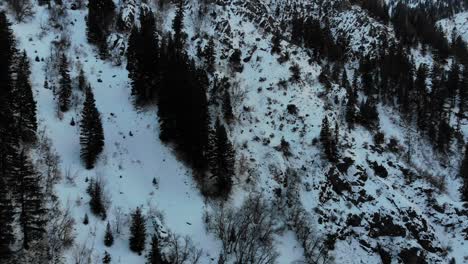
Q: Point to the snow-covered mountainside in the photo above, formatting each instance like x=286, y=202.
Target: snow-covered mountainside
x=390, y=195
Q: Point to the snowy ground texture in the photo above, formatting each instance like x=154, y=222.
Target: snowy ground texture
x=134, y=156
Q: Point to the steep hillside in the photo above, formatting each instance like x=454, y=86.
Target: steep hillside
x=317, y=187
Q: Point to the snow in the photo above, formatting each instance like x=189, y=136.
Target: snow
x=128, y=164
x=455, y=26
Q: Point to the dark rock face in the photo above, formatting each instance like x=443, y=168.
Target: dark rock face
x=412, y=256
x=383, y=225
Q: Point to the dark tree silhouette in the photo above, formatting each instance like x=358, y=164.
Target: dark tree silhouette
x=137, y=232
x=92, y=135
x=65, y=85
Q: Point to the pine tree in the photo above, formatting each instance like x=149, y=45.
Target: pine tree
x=137, y=232
x=328, y=141
x=464, y=176
x=351, y=105
x=276, y=43
x=86, y=219
x=107, y=258
x=227, y=105
x=92, y=135
x=82, y=81
x=99, y=19
x=6, y=221
x=209, y=55
x=463, y=93
x=8, y=139
x=222, y=158
x=65, y=85
x=368, y=115
x=108, y=237
x=30, y=199
x=155, y=256
x=421, y=100
x=453, y=82
x=96, y=203
x=143, y=59
x=178, y=26
x=25, y=106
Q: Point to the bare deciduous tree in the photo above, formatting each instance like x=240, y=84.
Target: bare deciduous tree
x=60, y=233
x=21, y=8
x=181, y=250
x=247, y=234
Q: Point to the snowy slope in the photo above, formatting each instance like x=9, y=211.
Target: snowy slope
x=432, y=219
x=455, y=26
x=128, y=163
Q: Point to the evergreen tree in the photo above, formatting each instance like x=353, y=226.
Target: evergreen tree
x=8, y=139
x=444, y=136
x=463, y=93
x=65, y=85
x=92, y=135
x=143, y=58
x=222, y=159
x=86, y=219
x=82, y=81
x=6, y=221
x=453, y=82
x=209, y=55
x=276, y=43
x=421, y=99
x=368, y=115
x=137, y=232
x=107, y=258
x=25, y=106
x=99, y=19
x=155, y=256
x=96, y=203
x=178, y=26
x=351, y=106
x=367, y=79
x=464, y=176
x=30, y=199
x=328, y=141
x=108, y=237
x=226, y=101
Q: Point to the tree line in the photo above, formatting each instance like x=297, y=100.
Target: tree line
x=21, y=194
x=162, y=73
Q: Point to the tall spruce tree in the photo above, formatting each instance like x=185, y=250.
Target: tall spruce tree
x=137, y=232
x=221, y=159
x=368, y=114
x=154, y=255
x=453, y=82
x=107, y=258
x=328, y=141
x=30, y=199
x=8, y=139
x=96, y=203
x=25, y=106
x=351, y=107
x=100, y=17
x=108, y=237
x=178, y=26
x=65, y=85
x=464, y=176
x=463, y=93
x=92, y=134
x=6, y=221
x=209, y=55
x=143, y=58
